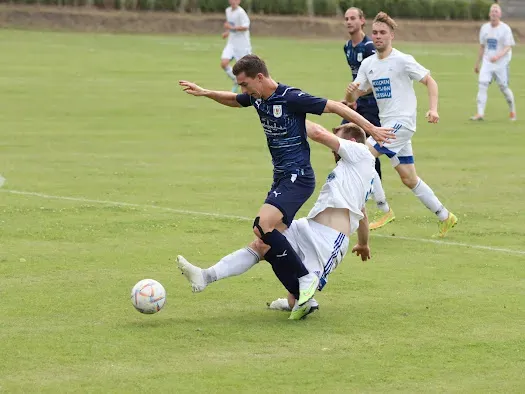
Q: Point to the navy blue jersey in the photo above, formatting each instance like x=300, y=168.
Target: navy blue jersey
x=354, y=56
x=283, y=117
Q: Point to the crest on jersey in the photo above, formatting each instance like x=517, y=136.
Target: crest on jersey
x=277, y=111
x=360, y=57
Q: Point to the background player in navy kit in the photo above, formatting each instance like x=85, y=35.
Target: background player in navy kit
x=357, y=49
x=282, y=110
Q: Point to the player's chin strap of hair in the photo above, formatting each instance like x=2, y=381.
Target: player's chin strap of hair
x=258, y=227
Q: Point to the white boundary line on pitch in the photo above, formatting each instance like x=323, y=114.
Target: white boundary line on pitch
x=244, y=218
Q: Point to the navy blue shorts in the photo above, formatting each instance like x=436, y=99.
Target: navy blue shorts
x=289, y=192
x=369, y=112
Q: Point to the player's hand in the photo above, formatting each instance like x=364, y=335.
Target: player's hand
x=362, y=251
x=225, y=34
x=350, y=105
x=192, y=88
x=352, y=87
x=476, y=68
x=432, y=116
x=494, y=59
x=382, y=134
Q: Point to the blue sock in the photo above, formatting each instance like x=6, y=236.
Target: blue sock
x=282, y=253
x=285, y=275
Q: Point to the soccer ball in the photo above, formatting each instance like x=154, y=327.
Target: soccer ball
x=148, y=296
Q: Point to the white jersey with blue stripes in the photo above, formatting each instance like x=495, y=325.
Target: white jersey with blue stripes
x=349, y=184
x=392, y=81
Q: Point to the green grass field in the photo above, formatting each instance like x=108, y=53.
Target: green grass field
x=92, y=121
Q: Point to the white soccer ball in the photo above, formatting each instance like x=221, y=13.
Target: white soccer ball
x=148, y=296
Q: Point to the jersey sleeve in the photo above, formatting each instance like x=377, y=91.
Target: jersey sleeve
x=415, y=71
x=244, y=21
x=362, y=79
x=244, y=99
x=370, y=49
x=349, y=150
x=302, y=102
x=508, y=40
x=482, y=35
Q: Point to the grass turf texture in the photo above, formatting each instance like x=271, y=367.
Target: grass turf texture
x=101, y=117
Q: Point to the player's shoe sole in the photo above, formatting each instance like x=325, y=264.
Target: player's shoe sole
x=192, y=273
x=383, y=220
x=477, y=118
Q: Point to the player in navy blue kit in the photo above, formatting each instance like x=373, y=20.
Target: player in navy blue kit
x=357, y=49
x=282, y=110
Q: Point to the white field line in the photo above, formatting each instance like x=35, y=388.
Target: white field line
x=244, y=218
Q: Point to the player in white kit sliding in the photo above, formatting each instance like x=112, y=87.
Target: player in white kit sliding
x=237, y=30
x=321, y=238
x=496, y=42
x=390, y=73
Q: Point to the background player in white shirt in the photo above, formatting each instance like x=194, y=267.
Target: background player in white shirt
x=390, y=74
x=237, y=30
x=321, y=238
x=496, y=42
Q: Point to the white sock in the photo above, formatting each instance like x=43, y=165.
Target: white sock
x=509, y=96
x=235, y=263
x=429, y=199
x=230, y=74
x=379, y=194
x=482, y=98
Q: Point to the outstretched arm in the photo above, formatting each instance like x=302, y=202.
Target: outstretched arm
x=319, y=134
x=225, y=98
x=380, y=134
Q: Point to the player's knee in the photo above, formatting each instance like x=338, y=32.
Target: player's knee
x=502, y=86
x=261, y=226
x=409, y=180
x=224, y=63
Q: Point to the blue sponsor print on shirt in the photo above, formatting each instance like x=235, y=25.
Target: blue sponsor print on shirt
x=382, y=88
x=492, y=44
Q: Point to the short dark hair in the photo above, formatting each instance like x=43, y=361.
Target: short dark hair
x=251, y=65
x=349, y=131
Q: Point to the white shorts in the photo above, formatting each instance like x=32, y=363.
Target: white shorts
x=320, y=248
x=494, y=72
x=399, y=150
x=230, y=52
